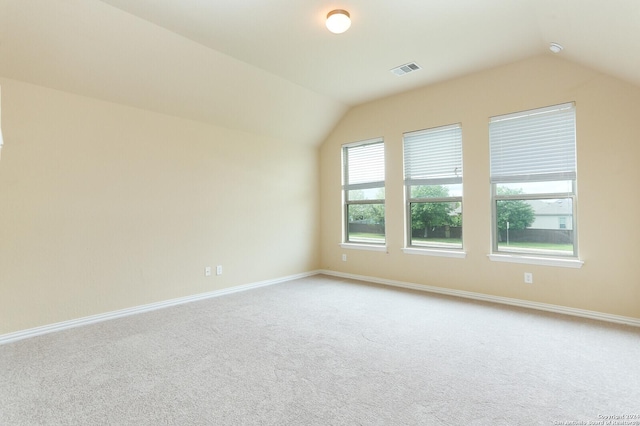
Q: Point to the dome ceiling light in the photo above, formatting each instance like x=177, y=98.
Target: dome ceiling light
x=338, y=21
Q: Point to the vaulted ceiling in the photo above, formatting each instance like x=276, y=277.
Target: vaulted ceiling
x=271, y=67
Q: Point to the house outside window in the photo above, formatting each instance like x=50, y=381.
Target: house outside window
x=433, y=187
x=363, y=192
x=533, y=182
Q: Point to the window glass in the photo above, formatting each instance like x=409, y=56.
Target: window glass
x=436, y=191
x=553, y=187
x=436, y=224
x=366, y=223
x=541, y=226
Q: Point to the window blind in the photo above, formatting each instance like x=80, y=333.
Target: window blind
x=364, y=165
x=533, y=146
x=433, y=156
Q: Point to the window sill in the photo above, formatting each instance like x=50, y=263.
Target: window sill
x=369, y=247
x=435, y=252
x=532, y=260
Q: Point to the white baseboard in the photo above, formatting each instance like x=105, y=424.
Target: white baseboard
x=64, y=325
x=496, y=299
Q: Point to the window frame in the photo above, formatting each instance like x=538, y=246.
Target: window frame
x=571, y=195
x=442, y=248
x=346, y=202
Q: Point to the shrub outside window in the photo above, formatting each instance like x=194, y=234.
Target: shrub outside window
x=363, y=190
x=433, y=187
x=533, y=182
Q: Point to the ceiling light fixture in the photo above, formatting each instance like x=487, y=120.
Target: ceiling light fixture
x=338, y=21
x=555, y=47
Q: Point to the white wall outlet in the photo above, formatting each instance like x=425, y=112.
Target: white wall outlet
x=528, y=278
x=219, y=270
x=344, y=257
x=207, y=271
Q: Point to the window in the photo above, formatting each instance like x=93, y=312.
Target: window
x=533, y=181
x=433, y=187
x=363, y=192
x=562, y=222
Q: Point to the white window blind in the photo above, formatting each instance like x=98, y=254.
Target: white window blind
x=433, y=156
x=364, y=165
x=537, y=145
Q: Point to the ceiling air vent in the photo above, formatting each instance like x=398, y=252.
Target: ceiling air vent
x=406, y=69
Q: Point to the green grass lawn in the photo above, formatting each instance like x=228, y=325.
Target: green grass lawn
x=366, y=237
x=437, y=240
x=540, y=246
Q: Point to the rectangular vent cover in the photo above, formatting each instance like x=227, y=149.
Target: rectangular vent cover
x=406, y=69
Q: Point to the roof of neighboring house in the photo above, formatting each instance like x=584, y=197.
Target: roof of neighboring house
x=559, y=207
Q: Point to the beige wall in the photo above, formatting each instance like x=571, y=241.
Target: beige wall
x=608, y=149
x=105, y=207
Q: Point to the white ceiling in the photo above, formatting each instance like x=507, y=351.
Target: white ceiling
x=271, y=67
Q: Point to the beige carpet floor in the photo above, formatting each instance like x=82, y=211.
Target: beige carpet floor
x=326, y=351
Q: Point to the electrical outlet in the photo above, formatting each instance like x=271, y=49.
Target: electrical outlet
x=207, y=271
x=219, y=270
x=344, y=257
x=528, y=278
